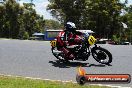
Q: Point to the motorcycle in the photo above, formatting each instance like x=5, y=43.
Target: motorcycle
x=84, y=50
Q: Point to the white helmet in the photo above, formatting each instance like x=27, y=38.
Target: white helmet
x=70, y=25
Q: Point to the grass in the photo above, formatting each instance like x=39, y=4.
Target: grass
x=19, y=82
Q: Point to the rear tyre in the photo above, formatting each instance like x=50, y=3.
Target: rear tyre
x=101, y=55
x=59, y=55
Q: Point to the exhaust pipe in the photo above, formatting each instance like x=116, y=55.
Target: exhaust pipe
x=56, y=51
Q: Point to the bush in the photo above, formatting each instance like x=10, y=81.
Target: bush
x=25, y=35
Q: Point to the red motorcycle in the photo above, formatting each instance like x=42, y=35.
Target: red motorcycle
x=83, y=50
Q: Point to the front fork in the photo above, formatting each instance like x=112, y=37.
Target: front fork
x=90, y=49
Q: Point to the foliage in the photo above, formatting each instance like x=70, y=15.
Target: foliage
x=127, y=19
x=52, y=24
x=116, y=38
x=19, y=21
x=101, y=16
x=25, y=35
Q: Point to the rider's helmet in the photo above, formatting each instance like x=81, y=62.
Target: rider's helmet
x=70, y=26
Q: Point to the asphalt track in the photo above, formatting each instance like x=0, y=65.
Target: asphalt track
x=34, y=59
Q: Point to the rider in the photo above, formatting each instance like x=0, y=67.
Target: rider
x=69, y=37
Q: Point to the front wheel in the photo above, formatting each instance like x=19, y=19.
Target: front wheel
x=101, y=55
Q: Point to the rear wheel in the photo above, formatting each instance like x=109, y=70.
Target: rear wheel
x=58, y=54
x=101, y=55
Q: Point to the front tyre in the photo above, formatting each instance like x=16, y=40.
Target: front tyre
x=101, y=55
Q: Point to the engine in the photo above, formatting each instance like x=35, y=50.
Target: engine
x=81, y=53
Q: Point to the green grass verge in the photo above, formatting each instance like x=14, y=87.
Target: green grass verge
x=19, y=82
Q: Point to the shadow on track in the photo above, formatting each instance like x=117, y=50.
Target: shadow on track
x=60, y=64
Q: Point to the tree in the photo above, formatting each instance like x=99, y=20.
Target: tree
x=17, y=21
x=2, y=18
x=65, y=10
x=101, y=16
x=105, y=14
x=9, y=18
x=52, y=24
x=127, y=19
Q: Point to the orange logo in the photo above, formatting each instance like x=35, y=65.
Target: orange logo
x=82, y=77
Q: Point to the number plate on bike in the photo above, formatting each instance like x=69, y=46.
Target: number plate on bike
x=91, y=40
x=53, y=43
